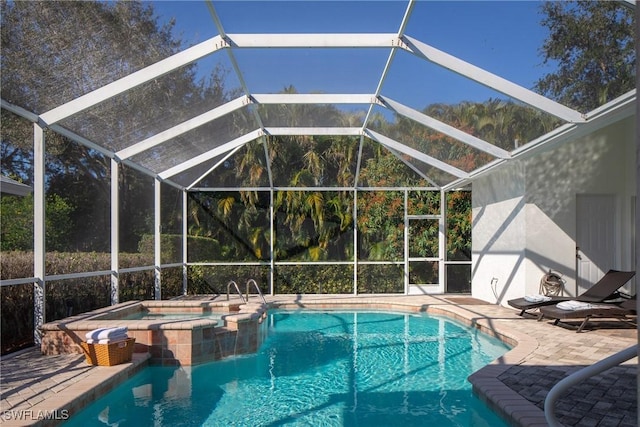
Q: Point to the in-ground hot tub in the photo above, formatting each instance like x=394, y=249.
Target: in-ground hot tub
x=172, y=332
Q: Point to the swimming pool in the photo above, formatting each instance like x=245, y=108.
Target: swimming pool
x=329, y=368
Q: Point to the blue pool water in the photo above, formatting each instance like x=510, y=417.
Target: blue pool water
x=319, y=369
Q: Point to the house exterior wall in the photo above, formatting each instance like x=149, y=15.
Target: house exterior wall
x=498, y=233
x=524, y=214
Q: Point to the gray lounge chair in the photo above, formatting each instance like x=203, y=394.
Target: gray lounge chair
x=603, y=290
x=625, y=310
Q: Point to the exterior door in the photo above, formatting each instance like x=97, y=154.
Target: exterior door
x=595, y=238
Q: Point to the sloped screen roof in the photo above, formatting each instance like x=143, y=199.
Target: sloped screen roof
x=448, y=87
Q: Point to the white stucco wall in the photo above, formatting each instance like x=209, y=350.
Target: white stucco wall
x=524, y=214
x=499, y=238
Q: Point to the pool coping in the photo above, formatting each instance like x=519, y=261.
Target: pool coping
x=71, y=395
x=495, y=320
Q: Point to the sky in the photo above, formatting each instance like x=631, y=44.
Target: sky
x=504, y=37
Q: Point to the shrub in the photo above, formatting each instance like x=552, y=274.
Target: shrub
x=207, y=279
x=200, y=248
x=314, y=279
x=16, y=317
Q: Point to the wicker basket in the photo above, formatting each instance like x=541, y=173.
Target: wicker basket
x=109, y=354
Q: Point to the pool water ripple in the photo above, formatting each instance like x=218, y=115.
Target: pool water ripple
x=320, y=369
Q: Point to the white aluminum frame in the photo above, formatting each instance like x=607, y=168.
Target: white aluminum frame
x=577, y=124
x=115, y=232
x=491, y=80
x=272, y=263
x=39, y=250
x=133, y=80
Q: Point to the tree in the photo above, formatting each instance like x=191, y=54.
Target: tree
x=459, y=226
x=593, y=43
x=16, y=221
x=53, y=52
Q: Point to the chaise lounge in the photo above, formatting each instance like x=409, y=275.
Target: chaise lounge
x=587, y=311
x=604, y=289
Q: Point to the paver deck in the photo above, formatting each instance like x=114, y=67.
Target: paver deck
x=46, y=390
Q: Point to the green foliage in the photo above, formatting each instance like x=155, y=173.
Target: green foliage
x=502, y=123
x=383, y=169
x=423, y=235
x=380, y=278
x=74, y=296
x=314, y=225
x=16, y=226
x=76, y=262
x=313, y=160
x=16, y=222
x=423, y=203
x=57, y=224
x=170, y=244
x=459, y=226
x=314, y=279
x=381, y=225
x=203, y=279
x=171, y=279
x=16, y=317
x=593, y=44
x=202, y=249
x=16, y=265
x=237, y=221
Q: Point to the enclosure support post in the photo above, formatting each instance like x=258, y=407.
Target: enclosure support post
x=271, y=243
x=406, y=243
x=39, y=250
x=442, y=243
x=185, y=271
x=355, y=240
x=157, y=225
x=115, y=231
x=355, y=208
x=637, y=199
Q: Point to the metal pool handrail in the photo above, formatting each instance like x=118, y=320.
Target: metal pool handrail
x=235, y=285
x=255, y=285
x=581, y=375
